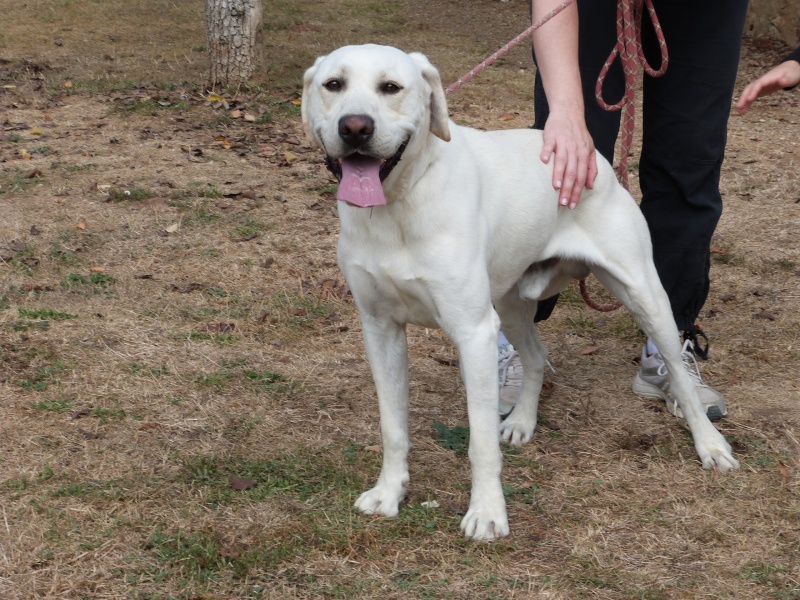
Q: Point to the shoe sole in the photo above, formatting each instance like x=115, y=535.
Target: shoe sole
x=649, y=391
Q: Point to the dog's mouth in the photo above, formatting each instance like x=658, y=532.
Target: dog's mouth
x=360, y=177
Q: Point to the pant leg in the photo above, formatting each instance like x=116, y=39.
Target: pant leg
x=684, y=132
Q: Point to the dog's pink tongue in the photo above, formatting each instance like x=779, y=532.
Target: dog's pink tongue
x=361, y=181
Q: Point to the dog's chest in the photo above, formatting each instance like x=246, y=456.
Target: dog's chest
x=390, y=279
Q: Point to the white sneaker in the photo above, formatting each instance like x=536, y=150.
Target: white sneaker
x=510, y=370
x=652, y=381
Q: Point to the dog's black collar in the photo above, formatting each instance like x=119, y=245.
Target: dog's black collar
x=334, y=166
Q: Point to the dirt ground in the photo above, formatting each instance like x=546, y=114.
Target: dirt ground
x=185, y=406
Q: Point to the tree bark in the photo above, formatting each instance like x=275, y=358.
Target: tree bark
x=234, y=40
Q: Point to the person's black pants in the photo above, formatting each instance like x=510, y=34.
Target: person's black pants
x=684, y=130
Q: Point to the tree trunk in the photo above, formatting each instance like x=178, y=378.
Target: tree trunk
x=234, y=40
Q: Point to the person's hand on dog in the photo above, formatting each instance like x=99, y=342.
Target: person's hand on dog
x=565, y=133
x=575, y=167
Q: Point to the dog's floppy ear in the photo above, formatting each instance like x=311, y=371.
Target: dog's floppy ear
x=308, y=77
x=440, y=118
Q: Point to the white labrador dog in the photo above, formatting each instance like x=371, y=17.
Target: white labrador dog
x=450, y=227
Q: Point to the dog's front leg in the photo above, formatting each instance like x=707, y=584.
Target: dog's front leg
x=486, y=518
x=386, y=347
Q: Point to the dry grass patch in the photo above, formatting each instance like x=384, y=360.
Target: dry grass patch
x=186, y=407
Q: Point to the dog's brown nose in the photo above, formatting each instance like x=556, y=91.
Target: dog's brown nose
x=356, y=130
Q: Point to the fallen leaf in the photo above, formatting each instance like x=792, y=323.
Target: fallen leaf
x=36, y=131
x=784, y=472
x=215, y=98
x=88, y=434
x=236, y=114
x=97, y=270
x=508, y=117
x=172, y=228
x=223, y=142
x=765, y=315
x=447, y=362
x=68, y=84
x=590, y=350
x=81, y=225
x=229, y=552
x=24, y=154
x=375, y=448
x=241, y=483
x=717, y=250
x=290, y=157
x=250, y=118
x=297, y=101
x=192, y=287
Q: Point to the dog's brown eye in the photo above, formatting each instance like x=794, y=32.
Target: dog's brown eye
x=390, y=88
x=334, y=85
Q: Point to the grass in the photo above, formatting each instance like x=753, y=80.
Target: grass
x=58, y=405
x=16, y=181
x=135, y=194
x=97, y=282
x=190, y=414
x=45, y=376
x=46, y=314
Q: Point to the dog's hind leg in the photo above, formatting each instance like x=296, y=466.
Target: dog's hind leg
x=386, y=347
x=637, y=286
x=516, y=316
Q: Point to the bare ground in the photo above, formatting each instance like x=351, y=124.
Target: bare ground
x=186, y=408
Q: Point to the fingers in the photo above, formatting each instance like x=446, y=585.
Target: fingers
x=746, y=99
x=574, y=169
x=785, y=75
x=572, y=186
x=753, y=91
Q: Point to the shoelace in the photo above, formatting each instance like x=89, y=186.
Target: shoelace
x=505, y=363
x=687, y=354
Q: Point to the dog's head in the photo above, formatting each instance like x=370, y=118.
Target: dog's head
x=365, y=106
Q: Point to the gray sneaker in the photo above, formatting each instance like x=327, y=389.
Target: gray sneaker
x=510, y=370
x=652, y=381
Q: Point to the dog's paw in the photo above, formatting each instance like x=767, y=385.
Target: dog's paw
x=718, y=458
x=380, y=500
x=715, y=453
x=516, y=430
x=485, y=523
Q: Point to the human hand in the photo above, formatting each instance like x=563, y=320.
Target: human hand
x=575, y=166
x=785, y=75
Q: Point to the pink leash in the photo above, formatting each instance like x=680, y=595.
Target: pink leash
x=507, y=47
